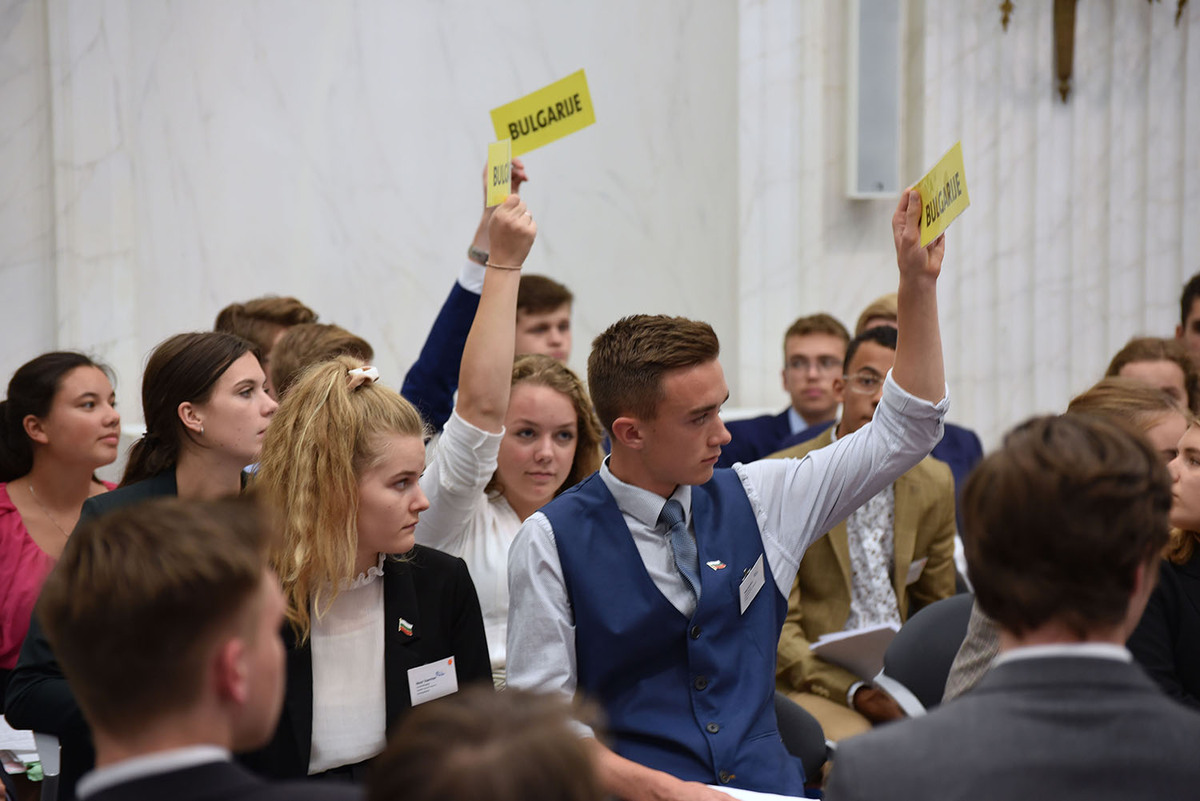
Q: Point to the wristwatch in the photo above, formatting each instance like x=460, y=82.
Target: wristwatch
x=478, y=256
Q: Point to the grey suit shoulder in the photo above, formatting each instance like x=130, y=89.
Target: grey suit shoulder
x=1056, y=728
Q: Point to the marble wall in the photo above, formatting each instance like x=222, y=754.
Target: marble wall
x=161, y=159
x=183, y=155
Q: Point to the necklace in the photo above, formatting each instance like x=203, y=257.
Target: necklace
x=38, y=500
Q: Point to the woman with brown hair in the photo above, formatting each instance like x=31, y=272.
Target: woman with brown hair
x=206, y=411
x=519, y=435
x=1167, y=640
x=58, y=424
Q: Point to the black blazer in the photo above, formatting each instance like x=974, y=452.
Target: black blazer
x=431, y=590
x=1166, y=642
x=218, y=781
x=38, y=695
x=161, y=485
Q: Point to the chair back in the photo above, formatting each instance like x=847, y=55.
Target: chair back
x=48, y=755
x=802, y=736
x=920, y=656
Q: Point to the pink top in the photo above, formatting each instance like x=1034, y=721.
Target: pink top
x=23, y=568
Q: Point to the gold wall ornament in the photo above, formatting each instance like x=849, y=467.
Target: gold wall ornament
x=1064, y=44
x=1064, y=36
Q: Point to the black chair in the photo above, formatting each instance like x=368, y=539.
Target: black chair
x=918, y=660
x=802, y=736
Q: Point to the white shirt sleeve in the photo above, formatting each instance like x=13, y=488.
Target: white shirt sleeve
x=798, y=500
x=541, y=623
x=464, y=460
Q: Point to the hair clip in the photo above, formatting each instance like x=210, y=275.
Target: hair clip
x=361, y=375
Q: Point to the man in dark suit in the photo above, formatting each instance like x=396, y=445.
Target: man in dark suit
x=814, y=348
x=1064, y=713
x=166, y=619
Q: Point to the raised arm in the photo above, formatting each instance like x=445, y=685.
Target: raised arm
x=918, y=367
x=486, y=373
x=432, y=380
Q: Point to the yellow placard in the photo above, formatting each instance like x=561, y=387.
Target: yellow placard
x=551, y=113
x=943, y=194
x=499, y=172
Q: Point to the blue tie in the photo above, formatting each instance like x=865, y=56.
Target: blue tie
x=682, y=546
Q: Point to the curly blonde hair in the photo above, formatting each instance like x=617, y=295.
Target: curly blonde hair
x=319, y=443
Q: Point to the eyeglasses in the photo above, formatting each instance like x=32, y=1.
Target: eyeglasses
x=864, y=383
x=824, y=364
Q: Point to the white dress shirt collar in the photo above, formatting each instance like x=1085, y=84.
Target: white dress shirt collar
x=642, y=504
x=1088, y=650
x=140, y=767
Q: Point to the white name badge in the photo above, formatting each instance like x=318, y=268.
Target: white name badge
x=915, y=570
x=437, y=679
x=752, y=582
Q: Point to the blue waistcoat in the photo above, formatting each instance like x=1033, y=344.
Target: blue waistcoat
x=693, y=698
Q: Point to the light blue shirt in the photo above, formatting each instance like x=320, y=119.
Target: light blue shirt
x=794, y=500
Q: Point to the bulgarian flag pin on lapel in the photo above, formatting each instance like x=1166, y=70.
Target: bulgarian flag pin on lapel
x=405, y=627
x=716, y=564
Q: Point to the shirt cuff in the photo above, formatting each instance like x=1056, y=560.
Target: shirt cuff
x=910, y=405
x=471, y=277
x=850, y=693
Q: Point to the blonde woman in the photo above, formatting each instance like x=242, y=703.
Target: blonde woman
x=341, y=465
x=368, y=612
x=519, y=435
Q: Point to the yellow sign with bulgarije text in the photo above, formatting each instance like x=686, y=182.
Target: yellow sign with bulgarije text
x=943, y=194
x=499, y=172
x=548, y=114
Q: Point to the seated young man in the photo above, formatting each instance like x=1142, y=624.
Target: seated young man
x=1064, y=713
x=814, y=349
x=1188, y=329
x=263, y=321
x=166, y=620
x=894, y=551
x=312, y=343
x=544, y=317
x=1162, y=363
x=664, y=597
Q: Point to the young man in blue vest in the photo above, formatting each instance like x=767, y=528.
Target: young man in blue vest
x=658, y=586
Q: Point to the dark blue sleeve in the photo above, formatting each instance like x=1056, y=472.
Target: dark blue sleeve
x=753, y=439
x=432, y=380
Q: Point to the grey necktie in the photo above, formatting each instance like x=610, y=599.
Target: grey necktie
x=687, y=561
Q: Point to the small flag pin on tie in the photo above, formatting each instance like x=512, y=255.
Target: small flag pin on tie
x=716, y=564
x=405, y=627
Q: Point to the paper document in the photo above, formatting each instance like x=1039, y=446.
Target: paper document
x=860, y=651
x=15, y=739
x=751, y=795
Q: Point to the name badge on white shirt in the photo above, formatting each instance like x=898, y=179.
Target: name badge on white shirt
x=752, y=582
x=437, y=679
x=915, y=570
